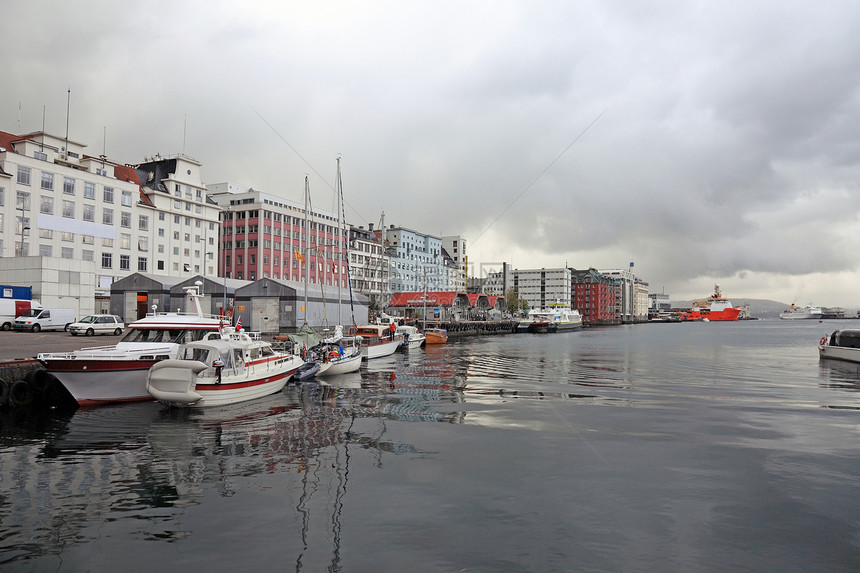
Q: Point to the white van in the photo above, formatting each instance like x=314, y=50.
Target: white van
x=37, y=319
x=11, y=308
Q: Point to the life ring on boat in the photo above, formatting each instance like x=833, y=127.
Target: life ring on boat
x=333, y=354
x=823, y=341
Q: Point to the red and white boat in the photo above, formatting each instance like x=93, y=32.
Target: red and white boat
x=221, y=369
x=378, y=340
x=715, y=308
x=105, y=374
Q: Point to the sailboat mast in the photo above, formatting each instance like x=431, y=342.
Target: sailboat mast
x=307, y=244
x=339, y=191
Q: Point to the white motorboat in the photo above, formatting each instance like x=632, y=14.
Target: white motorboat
x=378, y=340
x=412, y=337
x=105, y=374
x=339, y=354
x=554, y=318
x=221, y=369
x=841, y=345
x=795, y=312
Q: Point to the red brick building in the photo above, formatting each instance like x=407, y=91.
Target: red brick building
x=593, y=296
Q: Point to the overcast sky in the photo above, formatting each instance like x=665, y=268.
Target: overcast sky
x=708, y=142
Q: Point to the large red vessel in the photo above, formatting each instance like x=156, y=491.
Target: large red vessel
x=714, y=308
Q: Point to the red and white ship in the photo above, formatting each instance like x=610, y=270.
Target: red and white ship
x=714, y=308
x=105, y=374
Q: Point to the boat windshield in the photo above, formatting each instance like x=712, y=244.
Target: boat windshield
x=165, y=335
x=199, y=354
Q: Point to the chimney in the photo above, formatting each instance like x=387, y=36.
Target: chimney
x=370, y=226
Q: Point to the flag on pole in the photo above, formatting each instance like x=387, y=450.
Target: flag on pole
x=299, y=256
x=239, y=323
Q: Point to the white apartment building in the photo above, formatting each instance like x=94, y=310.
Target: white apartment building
x=368, y=265
x=58, y=202
x=455, y=247
x=542, y=287
x=631, y=294
x=417, y=261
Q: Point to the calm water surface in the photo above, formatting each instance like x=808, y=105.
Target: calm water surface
x=664, y=447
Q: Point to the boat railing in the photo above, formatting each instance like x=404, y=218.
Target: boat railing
x=97, y=352
x=184, y=313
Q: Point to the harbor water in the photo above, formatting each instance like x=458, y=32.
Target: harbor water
x=654, y=447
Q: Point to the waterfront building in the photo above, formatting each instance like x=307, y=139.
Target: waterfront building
x=631, y=294
x=369, y=265
x=263, y=236
x=418, y=262
x=454, y=246
x=593, y=296
x=542, y=287
x=57, y=202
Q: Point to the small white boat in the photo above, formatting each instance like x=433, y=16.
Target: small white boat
x=554, y=318
x=841, y=345
x=221, y=369
x=412, y=337
x=339, y=354
x=378, y=340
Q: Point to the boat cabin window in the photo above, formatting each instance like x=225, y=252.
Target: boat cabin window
x=237, y=355
x=199, y=354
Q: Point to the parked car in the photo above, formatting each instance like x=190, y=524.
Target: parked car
x=37, y=319
x=97, y=324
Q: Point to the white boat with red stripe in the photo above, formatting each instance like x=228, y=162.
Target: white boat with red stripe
x=221, y=369
x=105, y=374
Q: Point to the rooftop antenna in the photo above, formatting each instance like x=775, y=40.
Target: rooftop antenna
x=104, y=146
x=68, y=107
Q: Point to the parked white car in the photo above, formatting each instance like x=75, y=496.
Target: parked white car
x=97, y=324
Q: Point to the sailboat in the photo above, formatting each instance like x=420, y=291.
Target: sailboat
x=340, y=354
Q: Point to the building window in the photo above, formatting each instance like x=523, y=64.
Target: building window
x=88, y=240
x=124, y=241
x=45, y=250
x=69, y=209
x=143, y=223
x=23, y=175
x=161, y=265
x=67, y=253
x=22, y=200
x=126, y=199
x=89, y=190
x=124, y=262
x=141, y=264
x=107, y=260
x=89, y=212
x=161, y=216
x=68, y=237
x=47, y=205
x=143, y=244
x=107, y=216
x=87, y=255
x=161, y=232
x=68, y=186
x=108, y=195
x=125, y=219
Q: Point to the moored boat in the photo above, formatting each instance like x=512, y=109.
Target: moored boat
x=378, y=340
x=554, y=318
x=715, y=308
x=106, y=374
x=221, y=369
x=412, y=337
x=807, y=312
x=841, y=345
x=435, y=336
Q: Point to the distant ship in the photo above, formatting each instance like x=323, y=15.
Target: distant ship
x=801, y=313
x=714, y=308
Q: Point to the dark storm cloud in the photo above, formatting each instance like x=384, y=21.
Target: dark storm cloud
x=724, y=146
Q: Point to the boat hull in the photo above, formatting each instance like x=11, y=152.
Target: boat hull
x=177, y=383
x=380, y=349
x=343, y=365
x=435, y=336
x=96, y=382
x=839, y=353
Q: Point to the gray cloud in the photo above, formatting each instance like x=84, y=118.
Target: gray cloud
x=726, y=151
